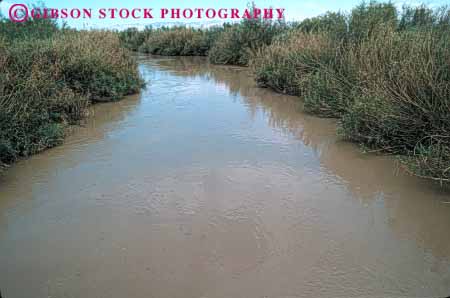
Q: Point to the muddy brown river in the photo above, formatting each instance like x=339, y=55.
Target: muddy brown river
x=205, y=186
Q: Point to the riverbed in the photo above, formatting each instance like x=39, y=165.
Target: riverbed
x=205, y=185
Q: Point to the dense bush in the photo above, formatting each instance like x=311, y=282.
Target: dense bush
x=47, y=83
x=241, y=41
x=132, y=38
x=366, y=19
x=44, y=28
x=179, y=41
x=334, y=24
x=229, y=48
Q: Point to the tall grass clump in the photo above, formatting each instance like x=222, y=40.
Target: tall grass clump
x=402, y=103
x=307, y=61
x=94, y=64
x=291, y=60
x=47, y=83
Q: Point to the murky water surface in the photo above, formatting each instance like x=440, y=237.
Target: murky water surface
x=206, y=186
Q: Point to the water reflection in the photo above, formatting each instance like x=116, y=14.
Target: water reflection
x=206, y=186
x=415, y=208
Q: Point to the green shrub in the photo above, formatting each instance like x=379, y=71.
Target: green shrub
x=413, y=18
x=334, y=24
x=38, y=29
x=179, y=41
x=132, y=38
x=229, y=48
x=366, y=18
x=241, y=41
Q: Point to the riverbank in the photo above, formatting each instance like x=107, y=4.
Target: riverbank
x=384, y=72
x=49, y=77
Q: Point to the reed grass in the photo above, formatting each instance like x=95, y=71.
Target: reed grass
x=386, y=76
x=49, y=77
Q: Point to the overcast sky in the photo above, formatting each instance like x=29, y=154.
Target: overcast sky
x=295, y=9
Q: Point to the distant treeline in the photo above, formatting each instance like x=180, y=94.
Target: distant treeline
x=384, y=72
x=228, y=44
x=48, y=78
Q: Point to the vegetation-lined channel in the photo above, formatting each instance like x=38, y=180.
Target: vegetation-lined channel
x=206, y=186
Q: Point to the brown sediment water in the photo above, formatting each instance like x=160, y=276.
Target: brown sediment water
x=206, y=186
